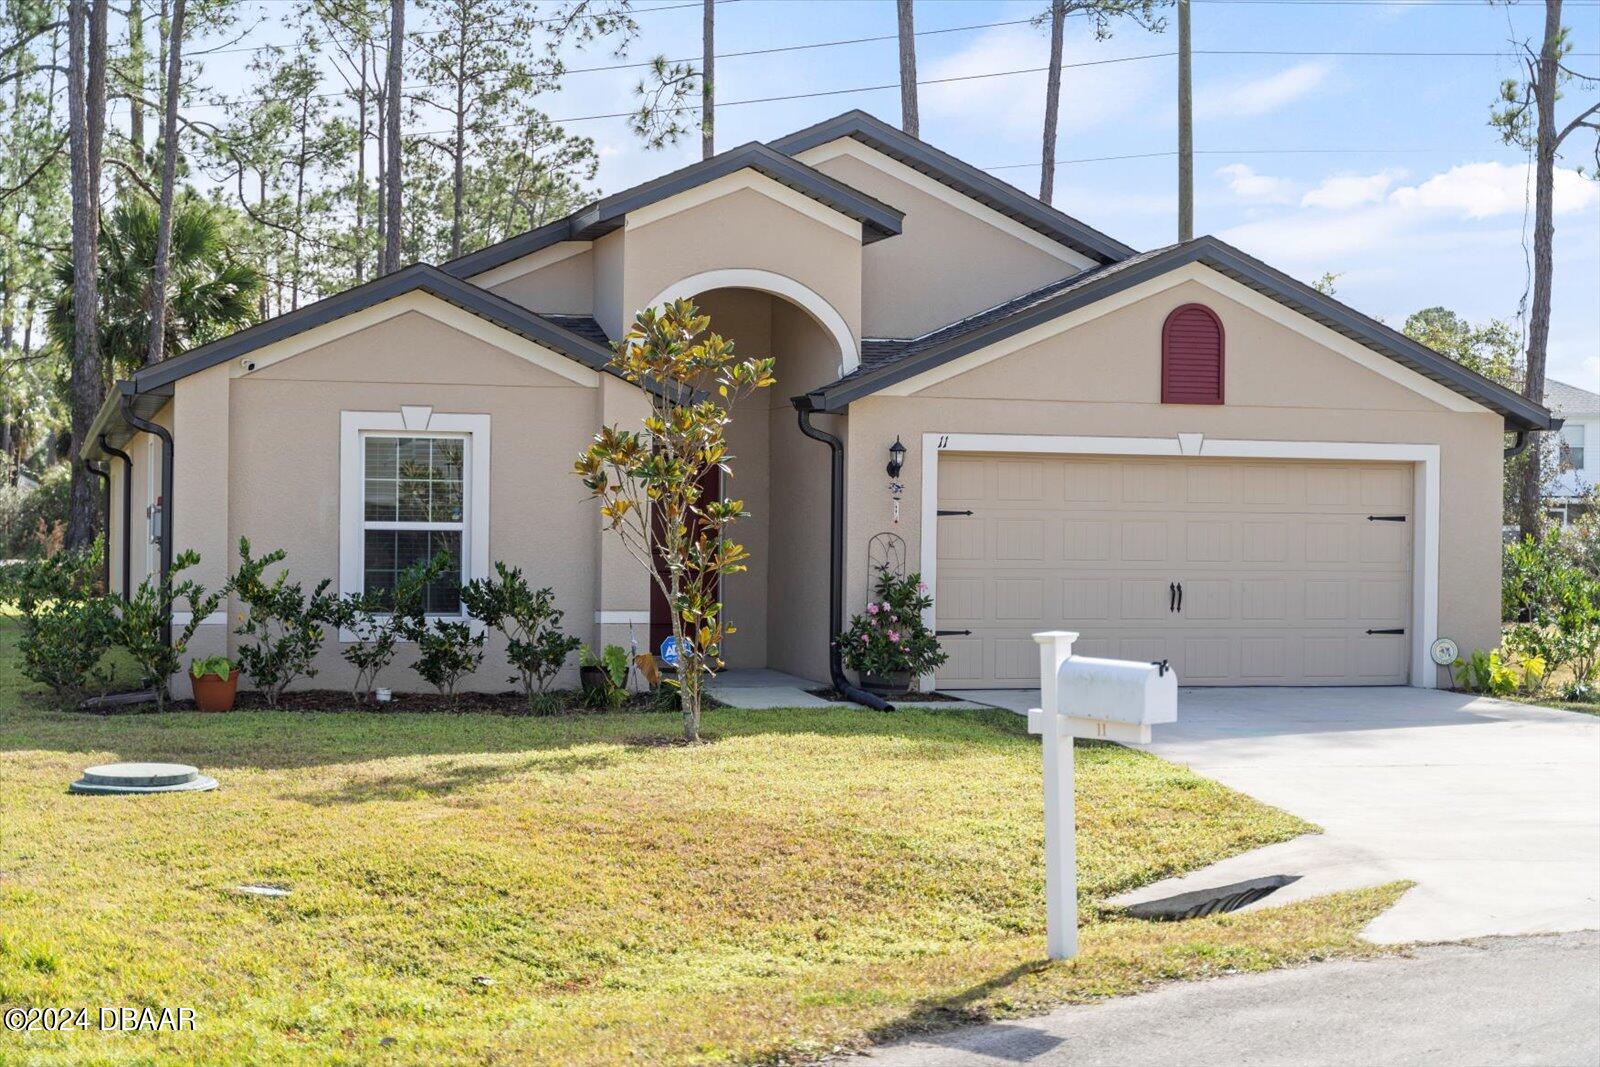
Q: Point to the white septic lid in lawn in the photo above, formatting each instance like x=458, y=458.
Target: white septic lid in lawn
x=142, y=778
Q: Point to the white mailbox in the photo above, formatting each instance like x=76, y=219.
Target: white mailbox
x=1081, y=696
x=1114, y=699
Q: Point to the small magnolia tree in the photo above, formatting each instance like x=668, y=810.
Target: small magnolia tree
x=656, y=477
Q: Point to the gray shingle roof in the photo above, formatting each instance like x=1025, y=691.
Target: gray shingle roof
x=1569, y=400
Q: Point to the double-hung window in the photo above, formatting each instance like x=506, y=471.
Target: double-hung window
x=1572, y=445
x=413, y=510
x=413, y=485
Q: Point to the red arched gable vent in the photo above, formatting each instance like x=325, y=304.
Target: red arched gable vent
x=1191, y=356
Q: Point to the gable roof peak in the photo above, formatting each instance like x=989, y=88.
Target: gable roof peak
x=959, y=175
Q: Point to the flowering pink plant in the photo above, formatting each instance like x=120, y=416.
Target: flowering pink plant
x=890, y=637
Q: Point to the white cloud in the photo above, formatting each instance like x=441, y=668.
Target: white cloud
x=1344, y=191
x=1483, y=190
x=1014, y=105
x=1247, y=185
x=1258, y=96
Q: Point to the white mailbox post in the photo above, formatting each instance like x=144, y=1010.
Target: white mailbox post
x=1110, y=699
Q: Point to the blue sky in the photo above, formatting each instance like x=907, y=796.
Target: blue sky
x=1406, y=192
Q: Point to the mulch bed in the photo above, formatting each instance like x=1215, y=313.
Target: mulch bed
x=829, y=693
x=323, y=700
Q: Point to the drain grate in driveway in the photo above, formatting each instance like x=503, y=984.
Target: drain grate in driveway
x=1198, y=902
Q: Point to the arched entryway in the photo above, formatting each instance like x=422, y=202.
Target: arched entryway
x=779, y=605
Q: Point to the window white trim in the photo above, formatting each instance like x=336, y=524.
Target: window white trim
x=1424, y=627
x=777, y=284
x=413, y=420
x=846, y=146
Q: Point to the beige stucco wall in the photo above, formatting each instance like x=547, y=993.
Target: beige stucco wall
x=945, y=264
x=1103, y=379
x=565, y=287
x=258, y=455
x=744, y=229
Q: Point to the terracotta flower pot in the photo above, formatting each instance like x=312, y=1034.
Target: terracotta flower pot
x=216, y=694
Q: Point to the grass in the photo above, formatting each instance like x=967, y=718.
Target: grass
x=477, y=888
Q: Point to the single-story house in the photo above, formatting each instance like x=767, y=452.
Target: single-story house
x=1181, y=453
x=1579, y=409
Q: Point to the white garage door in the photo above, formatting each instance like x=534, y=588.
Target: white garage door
x=1238, y=572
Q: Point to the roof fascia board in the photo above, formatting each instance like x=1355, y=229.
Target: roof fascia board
x=738, y=181
x=468, y=297
x=536, y=260
x=1224, y=286
x=873, y=157
x=1370, y=335
x=434, y=307
x=962, y=176
x=877, y=219
x=512, y=248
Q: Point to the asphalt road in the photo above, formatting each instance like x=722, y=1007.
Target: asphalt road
x=1522, y=1000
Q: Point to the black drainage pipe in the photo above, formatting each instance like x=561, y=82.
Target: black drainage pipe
x=165, y=438
x=103, y=472
x=127, y=515
x=841, y=685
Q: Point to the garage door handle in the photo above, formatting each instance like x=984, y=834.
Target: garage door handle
x=1172, y=597
x=1386, y=518
x=1180, y=598
x=952, y=633
x=1397, y=631
x=945, y=511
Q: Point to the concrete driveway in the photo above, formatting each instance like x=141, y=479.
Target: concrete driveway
x=1492, y=808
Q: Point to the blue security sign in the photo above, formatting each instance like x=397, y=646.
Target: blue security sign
x=669, y=652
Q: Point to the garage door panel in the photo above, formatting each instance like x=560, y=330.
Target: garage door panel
x=1144, y=541
x=1282, y=570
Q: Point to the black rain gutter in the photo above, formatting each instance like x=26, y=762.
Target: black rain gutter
x=841, y=685
x=103, y=472
x=127, y=515
x=138, y=423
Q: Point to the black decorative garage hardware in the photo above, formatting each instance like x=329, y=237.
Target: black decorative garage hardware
x=1386, y=518
x=952, y=633
x=1397, y=630
x=946, y=511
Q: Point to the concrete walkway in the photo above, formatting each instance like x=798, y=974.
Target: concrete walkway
x=1502, y=1001
x=1492, y=808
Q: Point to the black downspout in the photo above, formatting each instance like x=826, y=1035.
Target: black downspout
x=103, y=472
x=161, y=433
x=1523, y=438
x=127, y=514
x=802, y=406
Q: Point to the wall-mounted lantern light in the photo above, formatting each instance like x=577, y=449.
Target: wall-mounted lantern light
x=897, y=458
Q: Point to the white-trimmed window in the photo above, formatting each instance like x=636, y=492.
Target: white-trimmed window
x=413, y=484
x=1572, y=445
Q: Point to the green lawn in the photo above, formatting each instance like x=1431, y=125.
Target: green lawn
x=472, y=888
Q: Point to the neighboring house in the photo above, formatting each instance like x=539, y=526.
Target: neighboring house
x=1580, y=447
x=1183, y=453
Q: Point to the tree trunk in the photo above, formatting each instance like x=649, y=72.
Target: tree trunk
x=86, y=89
x=136, y=98
x=1185, y=128
x=458, y=150
x=397, y=40
x=708, y=88
x=169, y=174
x=361, y=172
x=1052, y=101
x=908, y=70
x=1531, y=510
